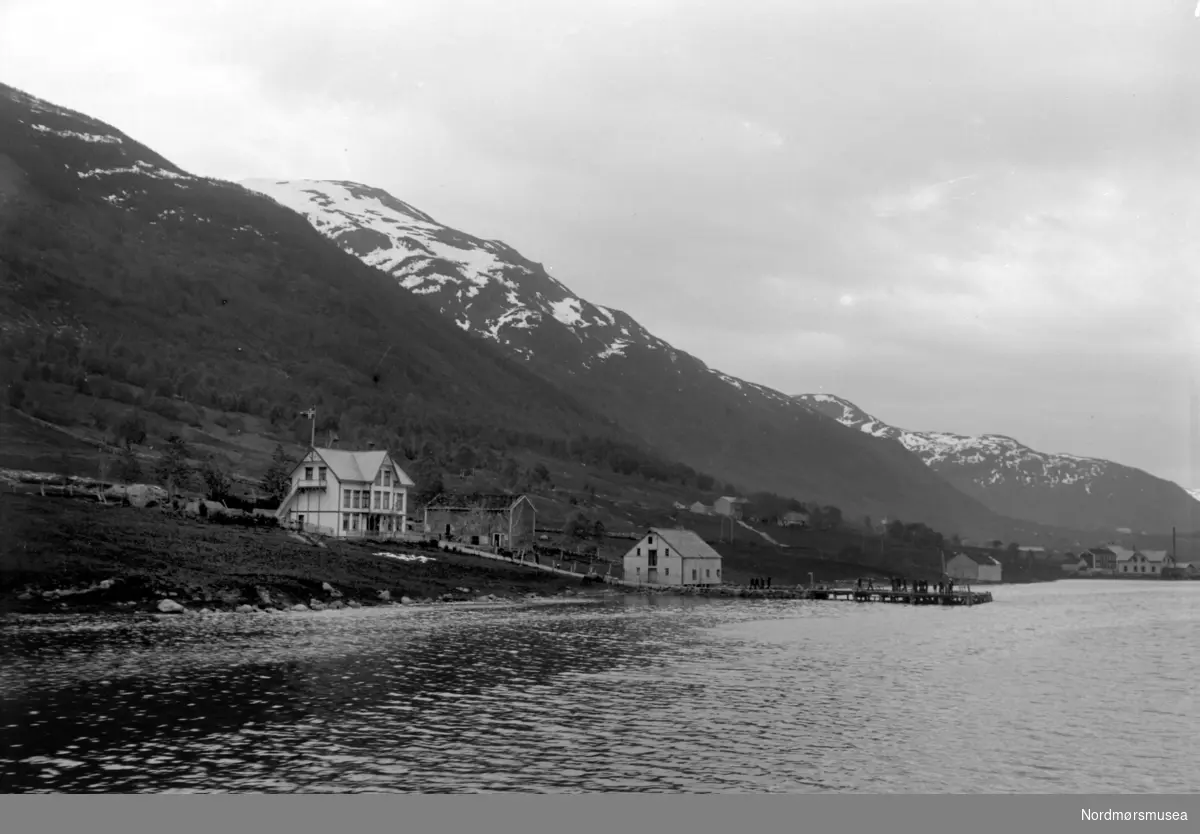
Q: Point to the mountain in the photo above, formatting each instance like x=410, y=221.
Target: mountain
x=128, y=284
x=1017, y=481
x=741, y=432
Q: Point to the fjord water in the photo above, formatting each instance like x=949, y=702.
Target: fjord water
x=1076, y=686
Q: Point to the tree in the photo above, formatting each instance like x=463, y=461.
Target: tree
x=128, y=469
x=598, y=529
x=577, y=526
x=277, y=481
x=997, y=544
x=173, y=468
x=216, y=482
x=131, y=431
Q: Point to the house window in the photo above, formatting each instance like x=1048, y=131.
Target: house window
x=377, y=500
x=387, y=478
x=639, y=570
x=693, y=573
x=707, y=573
x=718, y=573
x=308, y=473
x=346, y=498
x=639, y=551
x=379, y=478
x=345, y=522
x=666, y=571
x=652, y=558
x=650, y=540
x=321, y=474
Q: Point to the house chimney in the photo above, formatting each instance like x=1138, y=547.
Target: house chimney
x=370, y=444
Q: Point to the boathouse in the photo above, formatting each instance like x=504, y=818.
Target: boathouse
x=675, y=557
x=345, y=494
x=497, y=521
x=974, y=568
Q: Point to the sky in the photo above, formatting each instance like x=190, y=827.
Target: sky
x=961, y=216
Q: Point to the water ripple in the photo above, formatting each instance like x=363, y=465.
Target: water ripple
x=1074, y=687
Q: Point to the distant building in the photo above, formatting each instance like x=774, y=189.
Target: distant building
x=672, y=557
x=1098, y=560
x=795, y=518
x=1144, y=562
x=347, y=494
x=729, y=506
x=497, y=521
x=700, y=508
x=974, y=568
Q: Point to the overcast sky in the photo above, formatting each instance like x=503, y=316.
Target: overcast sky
x=963, y=216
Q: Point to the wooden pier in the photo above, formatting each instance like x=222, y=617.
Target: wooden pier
x=904, y=597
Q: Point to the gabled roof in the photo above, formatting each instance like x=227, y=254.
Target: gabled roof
x=491, y=502
x=1122, y=554
x=1099, y=550
x=1154, y=555
x=981, y=559
x=359, y=466
x=686, y=543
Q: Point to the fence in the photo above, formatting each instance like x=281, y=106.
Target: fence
x=519, y=559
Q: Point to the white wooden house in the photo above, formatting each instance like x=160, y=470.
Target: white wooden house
x=672, y=557
x=1144, y=562
x=348, y=494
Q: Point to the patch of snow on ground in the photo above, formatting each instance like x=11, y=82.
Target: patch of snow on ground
x=567, y=311
x=139, y=167
x=407, y=557
x=97, y=138
x=617, y=348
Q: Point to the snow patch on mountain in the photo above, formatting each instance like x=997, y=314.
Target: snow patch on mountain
x=992, y=458
x=1195, y=493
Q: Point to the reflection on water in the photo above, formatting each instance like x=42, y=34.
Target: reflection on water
x=1072, y=687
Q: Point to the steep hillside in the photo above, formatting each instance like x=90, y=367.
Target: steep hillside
x=128, y=284
x=745, y=433
x=1014, y=480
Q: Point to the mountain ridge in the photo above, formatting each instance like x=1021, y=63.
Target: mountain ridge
x=1016, y=480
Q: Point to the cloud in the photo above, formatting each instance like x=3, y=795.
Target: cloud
x=1006, y=199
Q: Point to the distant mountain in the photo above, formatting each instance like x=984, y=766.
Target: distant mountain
x=1017, y=481
x=741, y=432
x=1195, y=493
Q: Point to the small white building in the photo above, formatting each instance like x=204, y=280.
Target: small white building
x=974, y=568
x=672, y=557
x=729, y=506
x=700, y=508
x=347, y=494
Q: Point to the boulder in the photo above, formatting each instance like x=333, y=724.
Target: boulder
x=316, y=605
x=336, y=605
x=406, y=600
x=354, y=604
x=329, y=589
x=169, y=606
x=245, y=609
x=25, y=597
x=385, y=596
x=264, y=596
x=106, y=584
x=299, y=606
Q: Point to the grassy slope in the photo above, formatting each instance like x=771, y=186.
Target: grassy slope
x=54, y=543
